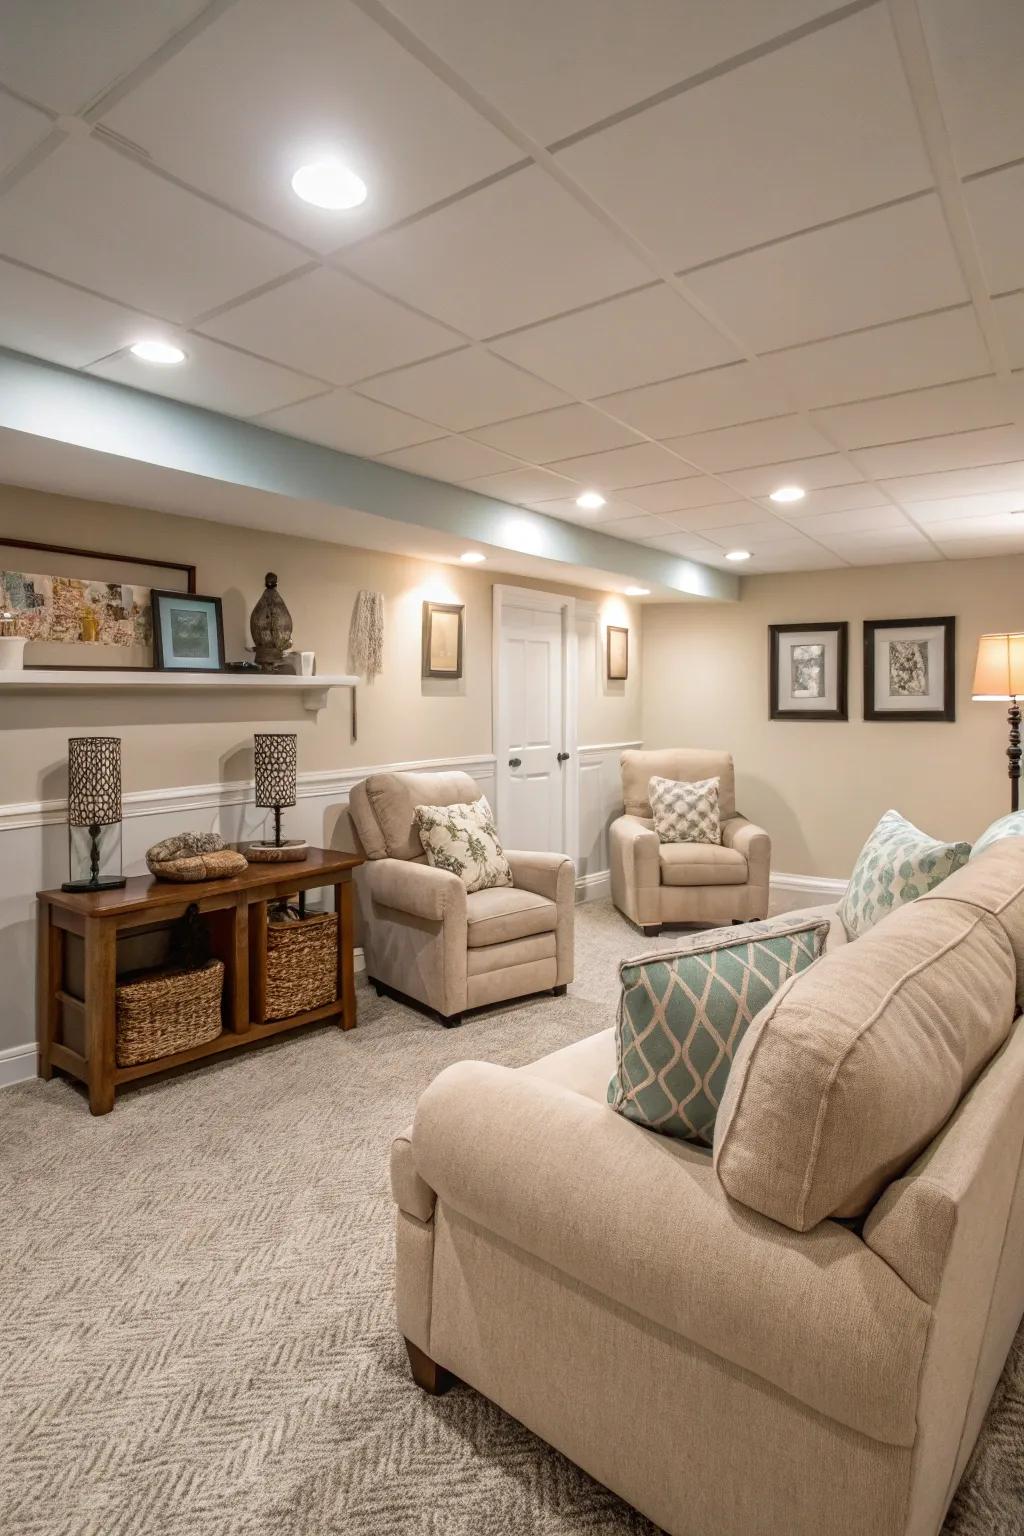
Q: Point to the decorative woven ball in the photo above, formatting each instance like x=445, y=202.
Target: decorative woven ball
x=193, y=856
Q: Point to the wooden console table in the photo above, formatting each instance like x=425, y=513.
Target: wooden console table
x=77, y=1032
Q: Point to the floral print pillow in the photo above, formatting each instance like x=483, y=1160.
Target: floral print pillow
x=464, y=840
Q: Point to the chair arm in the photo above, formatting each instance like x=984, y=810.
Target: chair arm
x=418, y=889
x=641, y=1219
x=545, y=874
x=634, y=856
x=754, y=844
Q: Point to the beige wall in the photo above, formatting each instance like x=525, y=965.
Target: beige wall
x=819, y=788
x=181, y=740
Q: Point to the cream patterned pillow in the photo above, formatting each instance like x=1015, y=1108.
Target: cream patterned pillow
x=685, y=813
x=464, y=840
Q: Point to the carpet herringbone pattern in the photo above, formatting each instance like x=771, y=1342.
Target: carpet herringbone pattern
x=197, y=1335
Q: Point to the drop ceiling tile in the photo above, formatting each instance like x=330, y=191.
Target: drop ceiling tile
x=865, y=520
x=643, y=527
x=567, y=431
x=21, y=129
x=949, y=509
x=676, y=495
x=689, y=545
x=176, y=257
x=753, y=536
x=48, y=319
x=65, y=57
x=1003, y=528
x=212, y=376
x=957, y=482
x=719, y=147
x=720, y=397
x=456, y=263
x=346, y=421
x=463, y=390
x=759, y=442
x=565, y=507
x=912, y=354
x=1010, y=312
x=895, y=536
x=996, y=207
x=523, y=486
x=450, y=458
x=911, y=553
x=326, y=323
x=636, y=339
x=919, y=413
x=879, y=266
x=271, y=87
x=988, y=547
x=829, y=498
x=962, y=450
x=828, y=469
x=734, y=513
x=795, y=555
x=976, y=52
x=554, y=68
x=621, y=468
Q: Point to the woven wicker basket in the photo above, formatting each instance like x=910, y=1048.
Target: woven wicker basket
x=163, y=1012
x=302, y=964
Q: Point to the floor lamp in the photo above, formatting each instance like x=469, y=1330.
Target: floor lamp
x=999, y=676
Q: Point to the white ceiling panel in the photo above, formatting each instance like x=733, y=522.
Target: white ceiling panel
x=897, y=536
x=866, y=520
x=135, y=237
x=21, y=128
x=615, y=508
x=66, y=52
x=964, y=450
x=675, y=495
x=271, y=87
x=556, y=68
x=568, y=431
x=212, y=376
x=48, y=319
x=828, y=469
x=688, y=545
x=636, y=339
x=919, y=413
x=621, y=468
x=759, y=442
x=885, y=552
x=957, y=482
x=329, y=324
x=1003, y=529
x=458, y=263
x=719, y=398
x=912, y=354
x=791, y=555
x=718, y=147
x=643, y=527
x=976, y=48
x=451, y=458
x=1010, y=312
x=731, y=514
x=830, y=498
x=996, y=206
x=349, y=422
x=465, y=389
x=949, y=509
x=754, y=536
x=524, y=486
x=877, y=267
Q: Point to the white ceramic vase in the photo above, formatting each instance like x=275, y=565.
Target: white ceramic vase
x=12, y=653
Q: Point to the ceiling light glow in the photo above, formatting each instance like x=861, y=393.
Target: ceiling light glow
x=738, y=554
x=472, y=557
x=590, y=501
x=788, y=493
x=152, y=351
x=638, y=592
x=329, y=184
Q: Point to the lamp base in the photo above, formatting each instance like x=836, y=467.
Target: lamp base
x=277, y=853
x=107, y=883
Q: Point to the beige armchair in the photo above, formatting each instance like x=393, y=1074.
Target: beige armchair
x=654, y=882
x=424, y=937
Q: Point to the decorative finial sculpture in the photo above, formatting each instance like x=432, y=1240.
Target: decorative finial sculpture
x=271, y=627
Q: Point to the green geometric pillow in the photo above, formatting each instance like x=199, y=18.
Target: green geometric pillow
x=897, y=864
x=683, y=1013
x=1010, y=825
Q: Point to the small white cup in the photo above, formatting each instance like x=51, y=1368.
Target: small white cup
x=307, y=663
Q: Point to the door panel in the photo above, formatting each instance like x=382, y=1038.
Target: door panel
x=530, y=727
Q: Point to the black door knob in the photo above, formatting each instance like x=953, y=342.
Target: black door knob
x=563, y=757
x=515, y=762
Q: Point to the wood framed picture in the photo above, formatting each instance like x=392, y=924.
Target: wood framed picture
x=188, y=632
x=617, y=645
x=807, y=671
x=442, y=639
x=910, y=669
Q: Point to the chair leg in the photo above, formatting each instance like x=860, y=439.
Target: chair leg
x=426, y=1373
x=450, y=1020
x=560, y=991
x=651, y=930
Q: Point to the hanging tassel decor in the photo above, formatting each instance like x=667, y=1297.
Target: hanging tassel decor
x=366, y=637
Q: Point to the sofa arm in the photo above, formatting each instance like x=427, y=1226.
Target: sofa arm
x=754, y=844
x=641, y=1219
x=418, y=889
x=634, y=855
x=545, y=874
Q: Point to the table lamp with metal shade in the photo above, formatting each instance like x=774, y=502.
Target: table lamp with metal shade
x=94, y=802
x=999, y=677
x=276, y=769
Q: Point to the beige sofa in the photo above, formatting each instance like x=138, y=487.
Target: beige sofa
x=424, y=937
x=655, y=883
x=718, y=1370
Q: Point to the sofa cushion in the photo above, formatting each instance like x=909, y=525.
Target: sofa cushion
x=853, y=1067
x=686, y=764
x=683, y=1013
x=897, y=864
x=994, y=883
x=463, y=839
x=701, y=864
x=685, y=812
x=502, y=913
x=384, y=806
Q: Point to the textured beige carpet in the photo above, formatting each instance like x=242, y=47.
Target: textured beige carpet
x=196, y=1332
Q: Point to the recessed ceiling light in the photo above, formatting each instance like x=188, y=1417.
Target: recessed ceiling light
x=788, y=493
x=638, y=592
x=472, y=557
x=590, y=501
x=329, y=184
x=157, y=352
x=738, y=554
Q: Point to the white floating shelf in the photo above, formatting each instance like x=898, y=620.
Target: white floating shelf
x=313, y=691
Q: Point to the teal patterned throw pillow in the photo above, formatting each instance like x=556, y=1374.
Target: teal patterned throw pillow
x=683, y=1013
x=1010, y=825
x=897, y=864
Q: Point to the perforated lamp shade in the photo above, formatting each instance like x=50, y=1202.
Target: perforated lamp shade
x=276, y=762
x=94, y=781
x=999, y=670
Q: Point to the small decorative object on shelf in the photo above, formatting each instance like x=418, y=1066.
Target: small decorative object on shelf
x=999, y=678
x=270, y=625
x=188, y=632
x=276, y=761
x=194, y=856
x=12, y=645
x=94, y=802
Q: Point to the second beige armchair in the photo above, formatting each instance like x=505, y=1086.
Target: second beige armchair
x=654, y=882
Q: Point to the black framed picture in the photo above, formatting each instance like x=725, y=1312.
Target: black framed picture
x=910, y=669
x=617, y=659
x=188, y=632
x=442, y=639
x=807, y=671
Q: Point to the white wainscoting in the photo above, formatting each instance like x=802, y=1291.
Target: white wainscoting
x=600, y=797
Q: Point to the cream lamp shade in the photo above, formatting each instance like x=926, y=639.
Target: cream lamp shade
x=999, y=670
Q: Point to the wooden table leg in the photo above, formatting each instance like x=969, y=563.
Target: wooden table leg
x=240, y=969
x=346, y=953
x=257, y=922
x=100, y=1012
x=49, y=977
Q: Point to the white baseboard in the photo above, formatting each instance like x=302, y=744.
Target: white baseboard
x=17, y=1065
x=595, y=887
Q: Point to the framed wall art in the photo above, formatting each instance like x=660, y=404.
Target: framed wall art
x=807, y=671
x=188, y=632
x=442, y=639
x=617, y=653
x=910, y=669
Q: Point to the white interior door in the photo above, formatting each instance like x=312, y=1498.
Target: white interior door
x=534, y=720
